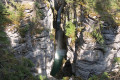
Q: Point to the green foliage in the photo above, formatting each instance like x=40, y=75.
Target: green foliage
x=12, y=69
x=70, y=30
x=94, y=77
x=69, y=1
x=21, y=11
x=79, y=29
x=27, y=63
x=2, y=34
x=65, y=78
x=99, y=5
x=3, y=15
x=105, y=12
x=36, y=4
x=24, y=30
x=52, y=35
x=39, y=12
x=104, y=76
x=43, y=77
x=96, y=33
x=3, y=39
x=17, y=13
x=117, y=59
x=37, y=30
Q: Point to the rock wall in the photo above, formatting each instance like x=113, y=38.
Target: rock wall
x=87, y=56
x=93, y=58
x=36, y=46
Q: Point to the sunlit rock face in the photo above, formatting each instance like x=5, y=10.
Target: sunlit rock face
x=13, y=36
x=48, y=21
x=87, y=56
x=43, y=52
x=39, y=48
x=93, y=58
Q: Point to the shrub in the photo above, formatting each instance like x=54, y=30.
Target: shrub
x=39, y=12
x=43, y=77
x=12, y=69
x=69, y=1
x=105, y=12
x=70, y=30
x=94, y=77
x=117, y=59
x=3, y=15
x=47, y=3
x=20, y=10
x=104, y=76
x=37, y=30
x=96, y=33
x=24, y=30
x=52, y=35
x=17, y=13
x=79, y=29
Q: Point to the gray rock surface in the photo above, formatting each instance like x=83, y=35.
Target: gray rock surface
x=93, y=58
x=38, y=48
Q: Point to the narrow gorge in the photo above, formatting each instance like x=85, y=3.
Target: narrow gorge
x=60, y=39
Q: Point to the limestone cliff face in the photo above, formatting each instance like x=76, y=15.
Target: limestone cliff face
x=93, y=58
x=36, y=44
x=88, y=56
